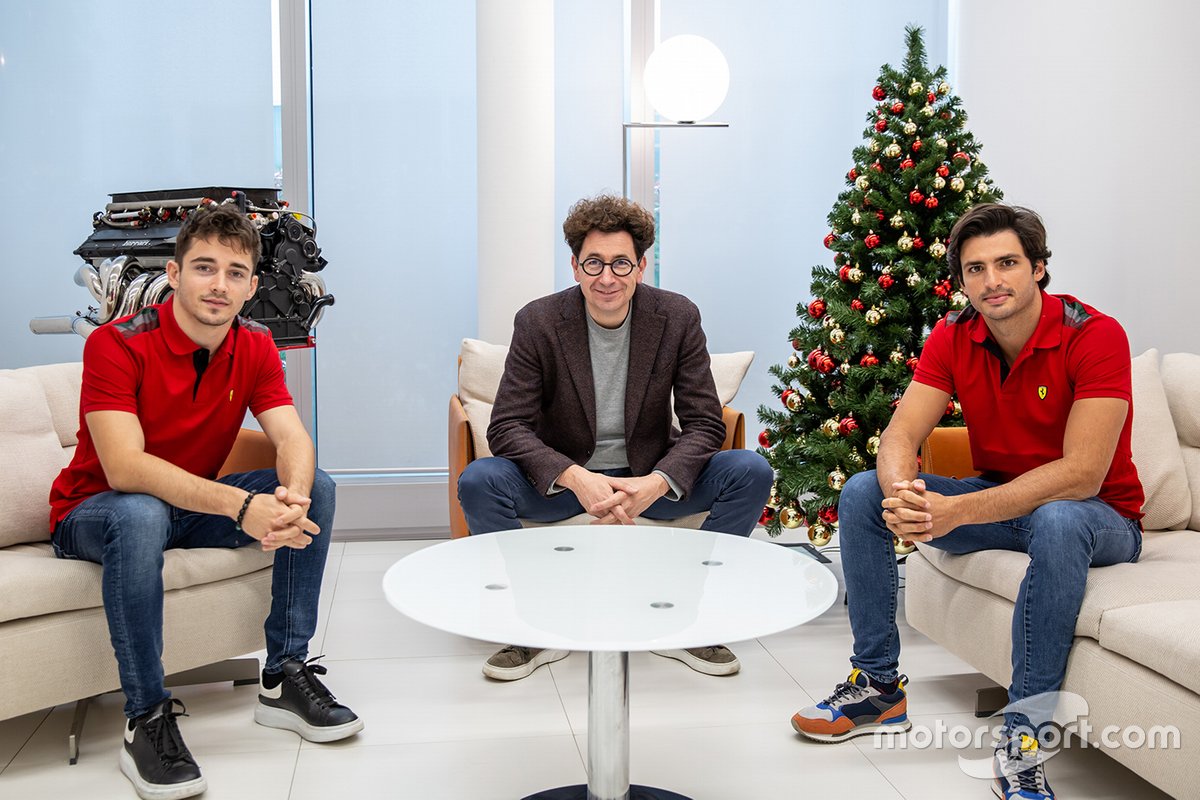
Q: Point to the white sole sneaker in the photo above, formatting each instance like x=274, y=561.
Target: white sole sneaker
x=271, y=717
x=699, y=664
x=526, y=669
x=159, y=791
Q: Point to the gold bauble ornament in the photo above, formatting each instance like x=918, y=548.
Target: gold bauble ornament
x=855, y=274
x=943, y=88
x=913, y=280
x=958, y=300
x=873, y=444
x=828, y=322
x=910, y=128
x=862, y=183
x=873, y=316
x=819, y=534
x=942, y=143
x=969, y=195
x=939, y=182
x=915, y=87
x=957, y=184
x=876, y=146
x=897, y=221
x=982, y=187
x=892, y=150
x=830, y=428
x=856, y=217
x=902, y=547
x=837, y=335
x=790, y=517
x=836, y=480
x=793, y=361
x=774, y=501
x=896, y=357
x=927, y=111
x=795, y=401
x=845, y=368
x=937, y=249
x=856, y=459
x=957, y=409
x=905, y=243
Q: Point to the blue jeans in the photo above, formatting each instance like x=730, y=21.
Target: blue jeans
x=127, y=533
x=1063, y=539
x=732, y=487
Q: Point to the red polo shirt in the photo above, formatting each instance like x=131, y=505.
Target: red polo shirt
x=145, y=364
x=1075, y=352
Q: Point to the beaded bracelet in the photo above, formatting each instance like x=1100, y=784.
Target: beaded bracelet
x=242, y=514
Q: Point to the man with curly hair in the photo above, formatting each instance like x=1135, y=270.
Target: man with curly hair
x=582, y=420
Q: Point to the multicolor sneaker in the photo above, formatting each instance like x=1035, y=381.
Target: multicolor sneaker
x=856, y=708
x=1020, y=771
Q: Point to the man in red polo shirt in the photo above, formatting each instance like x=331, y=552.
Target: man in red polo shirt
x=1044, y=382
x=164, y=394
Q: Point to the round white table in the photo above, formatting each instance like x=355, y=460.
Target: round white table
x=609, y=590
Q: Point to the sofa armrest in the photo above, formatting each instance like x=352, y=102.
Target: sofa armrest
x=947, y=452
x=735, y=428
x=252, y=450
x=462, y=452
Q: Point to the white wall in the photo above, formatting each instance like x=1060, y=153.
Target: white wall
x=1087, y=113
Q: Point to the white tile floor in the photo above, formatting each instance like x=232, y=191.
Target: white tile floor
x=436, y=729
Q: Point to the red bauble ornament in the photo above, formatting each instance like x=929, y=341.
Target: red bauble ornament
x=828, y=515
x=931, y=97
x=852, y=174
x=815, y=357
x=942, y=289
x=767, y=515
x=796, y=345
x=918, y=243
x=897, y=108
x=931, y=202
x=877, y=167
x=847, y=426
x=878, y=93
x=961, y=156
x=829, y=239
x=915, y=197
x=869, y=360
x=879, y=215
x=907, y=163
x=783, y=398
x=886, y=281
x=871, y=241
x=816, y=309
x=857, y=304
x=945, y=115
x=916, y=146
x=912, y=364
x=944, y=170
x=764, y=439
x=881, y=125
x=950, y=409
x=844, y=273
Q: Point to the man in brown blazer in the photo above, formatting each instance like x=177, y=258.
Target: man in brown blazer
x=582, y=420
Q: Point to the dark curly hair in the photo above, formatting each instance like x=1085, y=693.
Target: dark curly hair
x=609, y=214
x=987, y=219
x=231, y=228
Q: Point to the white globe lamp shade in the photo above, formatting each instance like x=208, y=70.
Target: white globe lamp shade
x=686, y=78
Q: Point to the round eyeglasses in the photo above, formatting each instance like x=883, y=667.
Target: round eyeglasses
x=620, y=267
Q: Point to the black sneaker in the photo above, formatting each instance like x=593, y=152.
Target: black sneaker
x=156, y=760
x=296, y=700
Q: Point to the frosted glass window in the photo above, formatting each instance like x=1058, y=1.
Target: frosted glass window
x=98, y=98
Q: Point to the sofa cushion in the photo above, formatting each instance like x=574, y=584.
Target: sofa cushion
x=36, y=582
x=1166, y=571
x=1156, y=450
x=1181, y=380
x=483, y=365
x=1162, y=636
x=31, y=456
x=62, y=384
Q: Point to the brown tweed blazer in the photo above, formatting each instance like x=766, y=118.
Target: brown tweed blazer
x=544, y=418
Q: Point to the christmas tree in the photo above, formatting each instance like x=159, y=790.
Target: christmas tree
x=858, y=340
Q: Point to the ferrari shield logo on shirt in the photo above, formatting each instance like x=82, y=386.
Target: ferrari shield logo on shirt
x=1042, y=392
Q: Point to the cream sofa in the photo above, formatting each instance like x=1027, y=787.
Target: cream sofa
x=1136, y=657
x=53, y=632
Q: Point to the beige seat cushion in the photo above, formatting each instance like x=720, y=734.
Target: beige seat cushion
x=36, y=583
x=483, y=366
x=1162, y=636
x=1166, y=571
x=1181, y=380
x=34, y=445
x=1156, y=449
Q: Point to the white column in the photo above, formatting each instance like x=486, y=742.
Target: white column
x=515, y=100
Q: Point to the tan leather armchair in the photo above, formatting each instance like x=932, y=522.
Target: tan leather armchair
x=947, y=452
x=462, y=452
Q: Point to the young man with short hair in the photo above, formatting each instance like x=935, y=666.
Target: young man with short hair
x=164, y=395
x=1045, y=387
x=582, y=420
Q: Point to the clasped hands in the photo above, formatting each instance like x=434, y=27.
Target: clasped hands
x=280, y=520
x=915, y=514
x=613, y=501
